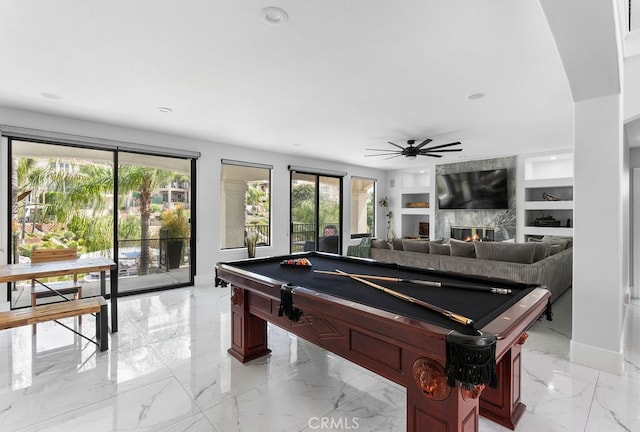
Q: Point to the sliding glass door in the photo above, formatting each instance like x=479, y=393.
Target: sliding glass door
x=316, y=212
x=62, y=197
x=132, y=208
x=154, y=221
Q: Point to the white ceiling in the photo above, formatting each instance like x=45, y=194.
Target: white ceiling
x=336, y=78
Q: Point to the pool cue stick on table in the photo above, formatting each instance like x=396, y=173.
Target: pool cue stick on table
x=452, y=316
x=494, y=290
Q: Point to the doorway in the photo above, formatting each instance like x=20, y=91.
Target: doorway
x=316, y=213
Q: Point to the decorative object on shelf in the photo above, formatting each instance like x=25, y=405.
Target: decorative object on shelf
x=548, y=197
x=418, y=204
x=423, y=229
x=384, y=202
x=412, y=151
x=546, y=221
x=251, y=239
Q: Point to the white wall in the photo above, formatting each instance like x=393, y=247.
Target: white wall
x=208, y=184
x=599, y=278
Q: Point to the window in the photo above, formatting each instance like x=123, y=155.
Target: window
x=363, y=192
x=245, y=197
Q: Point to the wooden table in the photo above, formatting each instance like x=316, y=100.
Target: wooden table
x=27, y=271
x=399, y=340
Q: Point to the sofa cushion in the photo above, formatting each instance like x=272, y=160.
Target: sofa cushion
x=462, y=248
x=509, y=252
x=542, y=250
x=439, y=249
x=396, y=244
x=380, y=244
x=415, y=245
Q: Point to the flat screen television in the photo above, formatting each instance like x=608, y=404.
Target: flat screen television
x=473, y=190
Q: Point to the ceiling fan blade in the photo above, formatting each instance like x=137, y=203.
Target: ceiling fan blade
x=394, y=144
x=392, y=157
x=383, y=154
x=425, y=151
x=432, y=155
x=383, y=150
x=423, y=143
x=443, y=145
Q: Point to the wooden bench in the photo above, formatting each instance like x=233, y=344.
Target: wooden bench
x=55, y=311
x=61, y=288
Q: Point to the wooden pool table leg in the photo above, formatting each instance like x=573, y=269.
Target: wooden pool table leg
x=435, y=407
x=502, y=404
x=248, y=332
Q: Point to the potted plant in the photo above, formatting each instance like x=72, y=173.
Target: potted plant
x=384, y=202
x=175, y=226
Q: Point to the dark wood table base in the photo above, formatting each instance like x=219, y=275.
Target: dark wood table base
x=431, y=405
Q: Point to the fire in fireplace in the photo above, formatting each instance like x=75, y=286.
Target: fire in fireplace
x=472, y=233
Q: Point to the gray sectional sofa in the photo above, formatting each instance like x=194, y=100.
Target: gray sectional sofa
x=547, y=263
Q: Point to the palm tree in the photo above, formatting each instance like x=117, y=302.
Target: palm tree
x=143, y=180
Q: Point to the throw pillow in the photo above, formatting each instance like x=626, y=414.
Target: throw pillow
x=439, y=249
x=462, y=248
x=397, y=244
x=542, y=250
x=415, y=246
x=555, y=248
x=567, y=242
x=509, y=252
x=380, y=244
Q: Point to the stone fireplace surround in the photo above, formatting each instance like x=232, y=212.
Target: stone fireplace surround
x=502, y=221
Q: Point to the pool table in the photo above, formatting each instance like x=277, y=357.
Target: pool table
x=390, y=334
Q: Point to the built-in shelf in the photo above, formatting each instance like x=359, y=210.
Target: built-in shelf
x=542, y=231
x=548, y=207
x=416, y=208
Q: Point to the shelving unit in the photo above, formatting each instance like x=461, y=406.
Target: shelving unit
x=416, y=208
x=546, y=176
x=537, y=208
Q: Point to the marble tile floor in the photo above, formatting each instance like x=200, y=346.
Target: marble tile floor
x=168, y=370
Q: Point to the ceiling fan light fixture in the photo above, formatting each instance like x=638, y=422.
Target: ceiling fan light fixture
x=412, y=152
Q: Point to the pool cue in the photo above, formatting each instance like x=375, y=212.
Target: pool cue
x=452, y=316
x=494, y=290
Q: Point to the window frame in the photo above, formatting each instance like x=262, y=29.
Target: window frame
x=359, y=235
x=223, y=227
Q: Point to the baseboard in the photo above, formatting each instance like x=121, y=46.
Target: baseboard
x=204, y=279
x=597, y=358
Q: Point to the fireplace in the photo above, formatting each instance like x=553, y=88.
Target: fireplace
x=472, y=233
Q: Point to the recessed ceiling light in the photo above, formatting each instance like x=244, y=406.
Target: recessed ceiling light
x=475, y=96
x=51, y=96
x=553, y=157
x=164, y=109
x=274, y=15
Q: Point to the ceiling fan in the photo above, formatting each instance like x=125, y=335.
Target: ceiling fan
x=412, y=151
